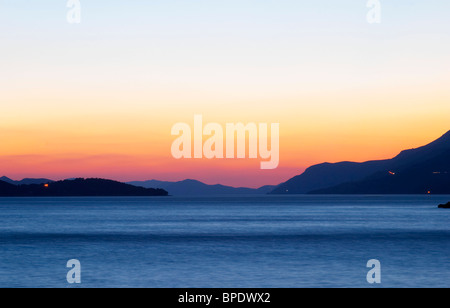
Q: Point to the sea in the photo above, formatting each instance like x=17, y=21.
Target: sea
x=297, y=241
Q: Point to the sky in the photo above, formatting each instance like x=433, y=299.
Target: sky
x=99, y=98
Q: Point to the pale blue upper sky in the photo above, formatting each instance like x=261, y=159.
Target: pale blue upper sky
x=275, y=48
x=274, y=28
x=297, y=41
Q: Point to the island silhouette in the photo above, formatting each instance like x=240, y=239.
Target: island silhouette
x=191, y=187
x=77, y=187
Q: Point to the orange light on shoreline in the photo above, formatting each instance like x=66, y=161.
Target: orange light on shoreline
x=45, y=185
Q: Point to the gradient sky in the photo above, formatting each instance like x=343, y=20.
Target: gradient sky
x=99, y=98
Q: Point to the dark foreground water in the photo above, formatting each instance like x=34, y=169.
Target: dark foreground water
x=288, y=241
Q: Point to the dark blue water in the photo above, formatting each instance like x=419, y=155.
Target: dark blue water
x=288, y=241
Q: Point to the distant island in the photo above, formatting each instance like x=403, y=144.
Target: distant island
x=26, y=181
x=425, y=170
x=197, y=188
x=77, y=188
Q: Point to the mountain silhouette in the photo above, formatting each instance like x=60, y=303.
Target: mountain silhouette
x=197, y=188
x=77, y=187
x=415, y=171
x=25, y=181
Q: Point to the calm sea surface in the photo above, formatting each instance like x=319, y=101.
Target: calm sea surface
x=242, y=241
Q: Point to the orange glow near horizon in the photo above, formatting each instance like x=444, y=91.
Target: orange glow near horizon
x=135, y=144
x=144, y=153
